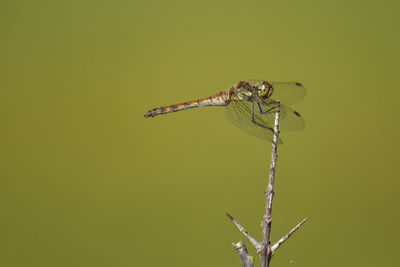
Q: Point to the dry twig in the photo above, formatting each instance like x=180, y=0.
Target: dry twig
x=285, y=237
x=265, y=253
x=264, y=249
x=252, y=240
x=245, y=258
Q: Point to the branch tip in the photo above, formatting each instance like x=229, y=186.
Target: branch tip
x=286, y=237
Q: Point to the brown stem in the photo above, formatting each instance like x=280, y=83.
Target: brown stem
x=285, y=237
x=252, y=240
x=265, y=253
x=264, y=248
x=245, y=258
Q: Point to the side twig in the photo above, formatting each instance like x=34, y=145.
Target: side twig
x=285, y=237
x=245, y=258
x=252, y=240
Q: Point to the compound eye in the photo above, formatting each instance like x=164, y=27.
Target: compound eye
x=268, y=88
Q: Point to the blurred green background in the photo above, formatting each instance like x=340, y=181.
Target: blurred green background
x=87, y=181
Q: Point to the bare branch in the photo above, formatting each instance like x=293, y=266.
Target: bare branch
x=265, y=253
x=246, y=259
x=264, y=248
x=252, y=240
x=285, y=237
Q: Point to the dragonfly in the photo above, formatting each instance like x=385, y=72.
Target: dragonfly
x=250, y=105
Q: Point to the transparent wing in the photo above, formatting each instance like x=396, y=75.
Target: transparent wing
x=239, y=113
x=290, y=119
x=286, y=92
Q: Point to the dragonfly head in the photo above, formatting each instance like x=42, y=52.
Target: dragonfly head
x=265, y=90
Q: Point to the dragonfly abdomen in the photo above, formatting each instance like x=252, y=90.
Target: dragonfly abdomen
x=220, y=99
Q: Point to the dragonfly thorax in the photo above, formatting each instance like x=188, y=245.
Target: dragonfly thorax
x=246, y=90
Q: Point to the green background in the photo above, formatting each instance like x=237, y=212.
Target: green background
x=87, y=181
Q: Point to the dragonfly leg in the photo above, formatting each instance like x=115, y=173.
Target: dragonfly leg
x=254, y=120
x=262, y=101
x=264, y=112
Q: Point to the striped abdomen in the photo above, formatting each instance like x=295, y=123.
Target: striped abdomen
x=220, y=99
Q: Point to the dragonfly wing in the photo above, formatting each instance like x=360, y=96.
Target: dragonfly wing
x=288, y=92
x=290, y=119
x=239, y=113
